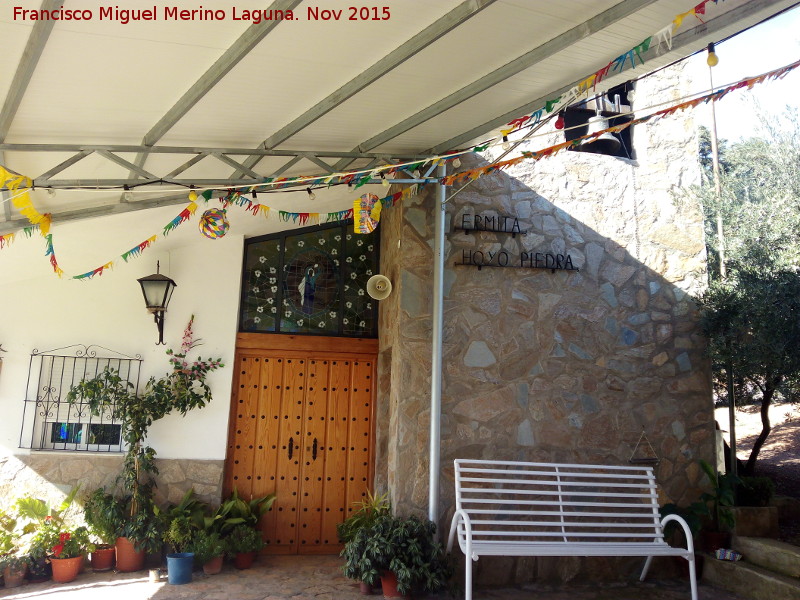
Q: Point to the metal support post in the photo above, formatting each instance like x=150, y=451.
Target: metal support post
x=436, y=347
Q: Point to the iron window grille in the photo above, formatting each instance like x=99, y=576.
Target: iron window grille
x=49, y=422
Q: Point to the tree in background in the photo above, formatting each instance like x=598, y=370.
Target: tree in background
x=752, y=318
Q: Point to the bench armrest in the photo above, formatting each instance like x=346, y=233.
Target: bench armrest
x=686, y=531
x=460, y=514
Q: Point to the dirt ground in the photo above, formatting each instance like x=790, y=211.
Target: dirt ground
x=779, y=458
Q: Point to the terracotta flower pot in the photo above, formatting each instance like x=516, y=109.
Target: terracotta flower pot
x=14, y=577
x=389, y=584
x=66, y=569
x=103, y=558
x=365, y=588
x=128, y=559
x=213, y=566
x=244, y=560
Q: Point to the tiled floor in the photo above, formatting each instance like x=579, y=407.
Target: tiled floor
x=314, y=577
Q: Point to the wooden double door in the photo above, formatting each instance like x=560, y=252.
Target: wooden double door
x=301, y=426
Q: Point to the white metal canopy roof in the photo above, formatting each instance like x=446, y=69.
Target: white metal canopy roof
x=223, y=101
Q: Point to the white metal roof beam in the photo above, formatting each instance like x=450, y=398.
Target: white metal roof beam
x=688, y=38
x=317, y=161
x=188, y=164
x=236, y=165
x=64, y=165
x=519, y=64
x=240, y=48
x=127, y=164
x=27, y=65
x=396, y=57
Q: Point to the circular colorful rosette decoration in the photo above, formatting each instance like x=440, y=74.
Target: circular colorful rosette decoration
x=214, y=223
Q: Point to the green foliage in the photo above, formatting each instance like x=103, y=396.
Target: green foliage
x=368, y=509
x=72, y=544
x=721, y=498
x=243, y=538
x=180, y=533
x=181, y=390
x=15, y=561
x=405, y=546
x=749, y=316
x=206, y=546
x=692, y=514
x=104, y=514
x=236, y=511
x=755, y=491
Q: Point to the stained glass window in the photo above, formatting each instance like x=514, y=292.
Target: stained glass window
x=311, y=281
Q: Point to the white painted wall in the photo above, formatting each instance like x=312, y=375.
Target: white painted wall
x=41, y=311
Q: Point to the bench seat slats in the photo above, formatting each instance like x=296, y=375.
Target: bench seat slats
x=558, y=523
x=554, y=482
x=549, y=509
x=562, y=513
x=575, y=549
x=516, y=502
x=548, y=492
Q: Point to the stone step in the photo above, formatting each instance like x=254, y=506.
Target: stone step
x=773, y=555
x=749, y=581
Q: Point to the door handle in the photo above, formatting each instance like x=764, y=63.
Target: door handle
x=291, y=447
x=314, y=450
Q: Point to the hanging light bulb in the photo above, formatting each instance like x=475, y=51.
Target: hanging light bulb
x=384, y=182
x=51, y=192
x=192, y=196
x=127, y=195
x=712, y=60
x=311, y=195
x=506, y=145
x=559, y=124
x=456, y=162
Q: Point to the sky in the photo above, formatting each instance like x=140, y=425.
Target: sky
x=762, y=48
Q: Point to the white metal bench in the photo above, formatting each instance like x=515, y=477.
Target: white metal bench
x=548, y=509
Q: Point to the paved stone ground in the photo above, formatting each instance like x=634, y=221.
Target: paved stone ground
x=317, y=578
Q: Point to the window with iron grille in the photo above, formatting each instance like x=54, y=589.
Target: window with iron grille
x=50, y=422
x=311, y=281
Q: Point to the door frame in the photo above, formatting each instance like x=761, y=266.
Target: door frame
x=314, y=347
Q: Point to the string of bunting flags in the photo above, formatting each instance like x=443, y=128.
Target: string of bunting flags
x=555, y=149
x=366, y=214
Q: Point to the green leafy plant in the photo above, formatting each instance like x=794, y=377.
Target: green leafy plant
x=206, y=546
x=72, y=544
x=721, y=497
x=104, y=514
x=755, y=491
x=367, y=510
x=181, y=390
x=180, y=533
x=243, y=538
x=404, y=546
x=692, y=514
x=236, y=511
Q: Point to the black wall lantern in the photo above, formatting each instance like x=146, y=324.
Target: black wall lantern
x=157, y=290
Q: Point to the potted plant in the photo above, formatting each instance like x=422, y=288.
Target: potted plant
x=720, y=500
x=14, y=566
x=367, y=511
x=209, y=551
x=67, y=556
x=44, y=523
x=402, y=552
x=236, y=511
x=180, y=562
x=103, y=514
x=181, y=390
x=242, y=543
x=13, y=556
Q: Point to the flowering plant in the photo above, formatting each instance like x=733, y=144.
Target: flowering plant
x=198, y=368
x=72, y=544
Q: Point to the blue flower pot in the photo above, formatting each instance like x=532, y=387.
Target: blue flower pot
x=179, y=568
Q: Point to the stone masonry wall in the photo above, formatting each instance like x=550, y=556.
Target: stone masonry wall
x=564, y=366
x=50, y=476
